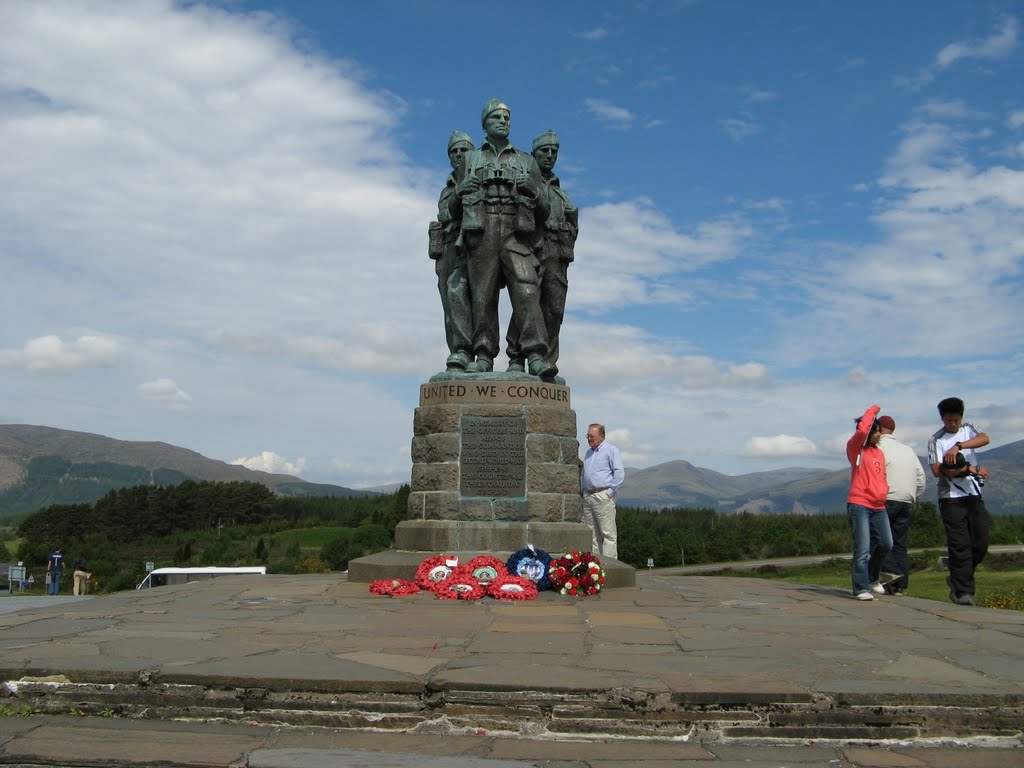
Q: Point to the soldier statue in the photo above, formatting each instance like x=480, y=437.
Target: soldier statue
x=560, y=231
x=499, y=197
x=450, y=264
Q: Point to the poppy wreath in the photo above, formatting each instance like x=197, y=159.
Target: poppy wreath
x=509, y=587
x=486, y=568
x=461, y=585
x=577, y=573
x=533, y=563
x=394, y=587
x=435, y=570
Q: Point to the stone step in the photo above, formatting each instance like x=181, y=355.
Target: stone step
x=559, y=715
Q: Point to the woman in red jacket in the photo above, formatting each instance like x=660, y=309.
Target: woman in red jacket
x=865, y=506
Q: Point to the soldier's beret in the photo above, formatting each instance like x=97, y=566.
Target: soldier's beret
x=459, y=137
x=546, y=139
x=491, y=106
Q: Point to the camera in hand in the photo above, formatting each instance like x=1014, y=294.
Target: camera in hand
x=963, y=464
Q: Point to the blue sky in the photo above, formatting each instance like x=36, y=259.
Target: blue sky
x=213, y=219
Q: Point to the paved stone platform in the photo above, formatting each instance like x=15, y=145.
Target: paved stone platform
x=290, y=670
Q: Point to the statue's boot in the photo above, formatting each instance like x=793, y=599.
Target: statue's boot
x=458, y=361
x=516, y=366
x=482, y=364
x=542, y=368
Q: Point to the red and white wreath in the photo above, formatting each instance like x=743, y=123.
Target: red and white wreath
x=512, y=587
x=436, y=570
x=486, y=568
x=577, y=573
x=461, y=585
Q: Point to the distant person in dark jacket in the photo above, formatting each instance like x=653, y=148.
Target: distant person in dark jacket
x=54, y=570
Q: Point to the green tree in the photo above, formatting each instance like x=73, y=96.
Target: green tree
x=339, y=550
x=926, y=529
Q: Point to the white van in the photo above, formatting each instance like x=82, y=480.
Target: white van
x=162, y=576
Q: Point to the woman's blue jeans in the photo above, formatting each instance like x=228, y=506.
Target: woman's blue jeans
x=872, y=541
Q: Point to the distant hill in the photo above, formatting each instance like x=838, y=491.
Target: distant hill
x=800, y=490
x=43, y=465
x=681, y=484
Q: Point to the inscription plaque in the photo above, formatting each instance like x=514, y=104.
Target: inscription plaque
x=493, y=458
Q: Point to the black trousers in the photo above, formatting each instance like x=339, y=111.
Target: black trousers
x=898, y=560
x=966, y=522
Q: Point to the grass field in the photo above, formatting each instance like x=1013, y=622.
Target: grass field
x=999, y=580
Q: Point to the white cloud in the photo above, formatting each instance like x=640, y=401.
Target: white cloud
x=655, y=83
x=51, y=355
x=596, y=33
x=779, y=445
x=754, y=95
x=948, y=109
x=774, y=204
x=632, y=253
x=268, y=461
x=950, y=234
x=996, y=46
x=740, y=128
x=251, y=187
x=166, y=394
x=857, y=376
x=1015, y=119
x=610, y=114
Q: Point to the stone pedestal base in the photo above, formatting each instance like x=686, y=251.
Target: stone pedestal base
x=495, y=468
x=463, y=536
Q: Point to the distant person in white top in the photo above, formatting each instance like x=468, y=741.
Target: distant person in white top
x=905, y=474
x=951, y=455
x=600, y=481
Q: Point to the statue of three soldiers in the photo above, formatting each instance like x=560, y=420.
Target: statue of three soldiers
x=503, y=221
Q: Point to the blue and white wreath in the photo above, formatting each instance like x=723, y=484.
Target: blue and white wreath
x=531, y=563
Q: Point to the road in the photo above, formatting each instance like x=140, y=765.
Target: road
x=784, y=561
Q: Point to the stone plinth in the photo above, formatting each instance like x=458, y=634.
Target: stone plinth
x=495, y=468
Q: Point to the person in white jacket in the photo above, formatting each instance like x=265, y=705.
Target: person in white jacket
x=906, y=485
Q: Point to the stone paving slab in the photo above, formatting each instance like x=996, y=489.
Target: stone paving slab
x=732, y=628
x=697, y=643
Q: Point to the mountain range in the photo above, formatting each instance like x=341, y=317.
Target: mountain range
x=44, y=465
x=40, y=466
x=799, y=490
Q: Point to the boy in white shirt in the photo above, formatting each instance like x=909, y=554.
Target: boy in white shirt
x=952, y=459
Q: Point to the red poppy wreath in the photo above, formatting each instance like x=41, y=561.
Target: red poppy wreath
x=512, y=587
x=461, y=585
x=435, y=570
x=486, y=568
x=394, y=587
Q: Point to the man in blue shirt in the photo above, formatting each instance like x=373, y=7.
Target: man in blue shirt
x=600, y=481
